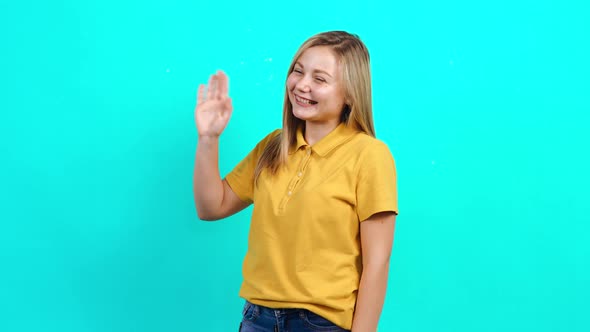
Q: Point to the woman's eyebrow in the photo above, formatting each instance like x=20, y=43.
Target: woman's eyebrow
x=315, y=70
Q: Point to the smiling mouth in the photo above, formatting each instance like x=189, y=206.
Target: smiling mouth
x=302, y=100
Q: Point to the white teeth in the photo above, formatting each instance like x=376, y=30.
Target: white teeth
x=301, y=100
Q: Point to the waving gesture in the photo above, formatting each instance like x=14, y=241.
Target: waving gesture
x=214, y=106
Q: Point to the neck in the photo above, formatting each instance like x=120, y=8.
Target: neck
x=316, y=131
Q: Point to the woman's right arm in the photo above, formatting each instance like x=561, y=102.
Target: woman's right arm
x=214, y=198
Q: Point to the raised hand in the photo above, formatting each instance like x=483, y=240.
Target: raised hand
x=214, y=106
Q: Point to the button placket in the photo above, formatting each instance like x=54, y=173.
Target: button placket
x=296, y=179
x=305, y=162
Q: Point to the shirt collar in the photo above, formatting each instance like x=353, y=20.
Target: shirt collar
x=341, y=134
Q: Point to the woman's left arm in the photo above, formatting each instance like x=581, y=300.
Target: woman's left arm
x=376, y=243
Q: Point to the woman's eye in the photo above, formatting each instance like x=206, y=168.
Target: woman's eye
x=298, y=71
x=320, y=79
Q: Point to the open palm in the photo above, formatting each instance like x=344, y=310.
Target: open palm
x=214, y=106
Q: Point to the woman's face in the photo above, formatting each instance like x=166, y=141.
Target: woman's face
x=315, y=87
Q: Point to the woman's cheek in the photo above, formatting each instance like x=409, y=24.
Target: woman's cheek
x=290, y=81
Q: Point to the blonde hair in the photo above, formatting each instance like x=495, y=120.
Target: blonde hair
x=353, y=57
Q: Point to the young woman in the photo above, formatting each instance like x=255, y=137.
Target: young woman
x=323, y=189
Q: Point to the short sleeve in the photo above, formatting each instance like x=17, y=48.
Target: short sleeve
x=376, y=189
x=241, y=178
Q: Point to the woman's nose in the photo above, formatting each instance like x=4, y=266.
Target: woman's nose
x=302, y=85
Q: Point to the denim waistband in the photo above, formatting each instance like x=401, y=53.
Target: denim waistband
x=282, y=311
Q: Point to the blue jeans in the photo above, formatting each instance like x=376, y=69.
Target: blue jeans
x=262, y=319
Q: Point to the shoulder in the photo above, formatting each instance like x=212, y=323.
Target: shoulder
x=373, y=156
x=275, y=133
x=371, y=147
x=267, y=139
x=272, y=135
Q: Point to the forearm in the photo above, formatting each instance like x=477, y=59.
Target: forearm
x=207, y=185
x=371, y=297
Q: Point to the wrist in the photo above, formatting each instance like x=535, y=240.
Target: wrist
x=208, y=138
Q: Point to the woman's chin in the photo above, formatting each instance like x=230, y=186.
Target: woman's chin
x=302, y=117
x=303, y=113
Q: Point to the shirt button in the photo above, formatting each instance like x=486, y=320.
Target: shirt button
x=308, y=152
x=289, y=193
x=299, y=174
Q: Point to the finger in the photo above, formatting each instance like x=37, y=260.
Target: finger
x=201, y=94
x=216, y=92
x=223, y=83
x=211, y=87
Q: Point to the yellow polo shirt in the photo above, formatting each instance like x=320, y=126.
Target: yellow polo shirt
x=304, y=245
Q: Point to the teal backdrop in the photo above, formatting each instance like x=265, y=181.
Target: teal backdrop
x=485, y=106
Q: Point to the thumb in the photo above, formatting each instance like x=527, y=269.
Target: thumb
x=228, y=108
x=228, y=104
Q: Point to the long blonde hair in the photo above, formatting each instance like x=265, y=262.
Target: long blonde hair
x=353, y=56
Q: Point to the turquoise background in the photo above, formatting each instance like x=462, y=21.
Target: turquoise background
x=485, y=106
